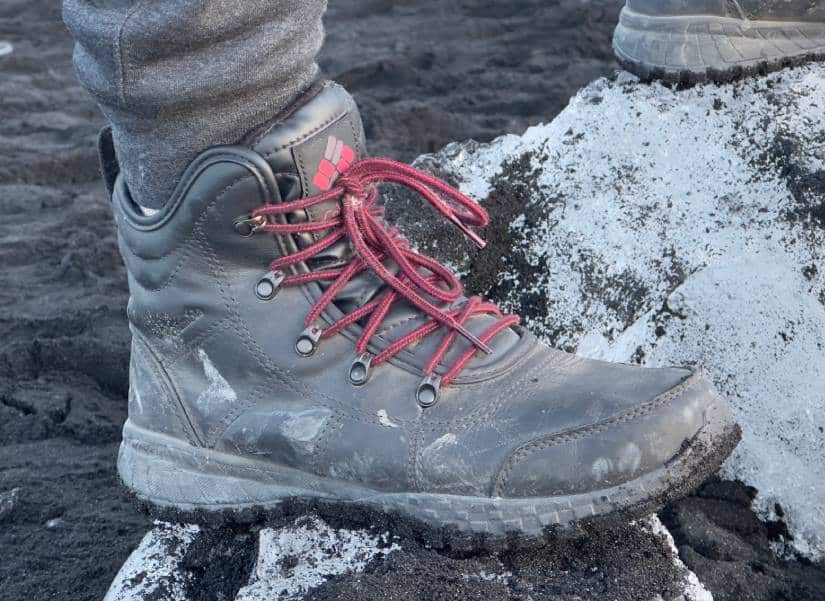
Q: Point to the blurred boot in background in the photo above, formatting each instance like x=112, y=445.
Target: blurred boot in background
x=688, y=41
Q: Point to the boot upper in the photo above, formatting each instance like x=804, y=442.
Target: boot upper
x=215, y=364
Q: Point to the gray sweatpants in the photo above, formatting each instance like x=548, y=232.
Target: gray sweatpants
x=175, y=77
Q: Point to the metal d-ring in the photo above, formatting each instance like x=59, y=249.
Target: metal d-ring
x=267, y=287
x=359, y=371
x=247, y=225
x=307, y=341
x=427, y=393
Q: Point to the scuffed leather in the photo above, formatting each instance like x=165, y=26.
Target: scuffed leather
x=607, y=452
x=153, y=403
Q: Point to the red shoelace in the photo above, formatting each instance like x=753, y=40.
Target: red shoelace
x=358, y=218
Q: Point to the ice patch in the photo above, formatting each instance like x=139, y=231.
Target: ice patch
x=299, y=557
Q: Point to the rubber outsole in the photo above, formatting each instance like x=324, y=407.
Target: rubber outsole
x=174, y=482
x=695, y=49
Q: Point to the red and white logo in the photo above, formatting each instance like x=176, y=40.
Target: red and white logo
x=337, y=159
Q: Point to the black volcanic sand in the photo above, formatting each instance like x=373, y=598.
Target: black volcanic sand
x=425, y=73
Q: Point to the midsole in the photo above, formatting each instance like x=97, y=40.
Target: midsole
x=633, y=19
x=173, y=476
x=167, y=471
x=209, y=462
x=162, y=481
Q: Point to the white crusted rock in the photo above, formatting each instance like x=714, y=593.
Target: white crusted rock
x=694, y=590
x=297, y=558
x=661, y=226
x=153, y=570
x=643, y=224
x=184, y=562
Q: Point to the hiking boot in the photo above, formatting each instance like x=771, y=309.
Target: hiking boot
x=290, y=350
x=688, y=41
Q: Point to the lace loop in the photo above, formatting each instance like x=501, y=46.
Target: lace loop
x=420, y=280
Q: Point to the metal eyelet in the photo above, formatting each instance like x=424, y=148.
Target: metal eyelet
x=246, y=225
x=268, y=286
x=307, y=341
x=427, y=393
x=359, y=371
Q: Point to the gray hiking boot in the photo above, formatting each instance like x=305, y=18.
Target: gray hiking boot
x=290, y=351
x=688, y=41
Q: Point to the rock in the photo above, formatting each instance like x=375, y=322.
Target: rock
x=733, y=552
x=307, y=558
x=8, y=501
x=153, y=569
x=661, y=226
x=295, y=559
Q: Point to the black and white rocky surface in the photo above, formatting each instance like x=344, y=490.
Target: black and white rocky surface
x=309, y=559
x=667, y=227
x=425, y=73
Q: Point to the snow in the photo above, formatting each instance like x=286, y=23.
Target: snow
x=694, y=590
x=153, y=569
x=668, y=226
x=317, y=553
x=291, y=560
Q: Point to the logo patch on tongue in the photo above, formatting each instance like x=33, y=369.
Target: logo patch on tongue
x=338, y=157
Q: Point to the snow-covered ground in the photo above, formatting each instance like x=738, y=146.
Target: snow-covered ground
x=667, y=226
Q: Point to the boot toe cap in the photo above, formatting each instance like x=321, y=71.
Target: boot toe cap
x=610, y=451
